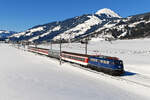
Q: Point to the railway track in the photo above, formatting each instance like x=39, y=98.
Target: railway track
x=137, y=79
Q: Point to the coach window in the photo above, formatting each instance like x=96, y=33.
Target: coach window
x=76, y=58
x=107, y=62
x=83, y=59
x=103, y=61
x=96, y=60
x=72, y=57
x=80, y=59
x=91, y=59
x=99, y=61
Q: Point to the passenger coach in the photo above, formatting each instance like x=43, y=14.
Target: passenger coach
x=77, y=58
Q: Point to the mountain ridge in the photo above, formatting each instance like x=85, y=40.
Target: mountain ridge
x=4, y=34
x=105, y=23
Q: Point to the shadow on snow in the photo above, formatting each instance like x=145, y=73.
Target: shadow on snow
x=127, y=73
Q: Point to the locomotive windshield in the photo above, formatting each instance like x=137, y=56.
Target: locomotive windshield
x=118, y=62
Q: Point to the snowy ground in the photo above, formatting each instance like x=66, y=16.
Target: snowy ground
x=28, y=76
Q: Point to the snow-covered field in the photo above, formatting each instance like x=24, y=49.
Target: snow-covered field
x=28, y=76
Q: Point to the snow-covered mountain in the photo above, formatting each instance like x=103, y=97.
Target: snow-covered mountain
x=105, y=24
x=132, y=27
x=68, y=29
x=107, y=12
x=4, y=34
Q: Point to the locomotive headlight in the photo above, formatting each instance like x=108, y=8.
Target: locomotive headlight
x=119, y=67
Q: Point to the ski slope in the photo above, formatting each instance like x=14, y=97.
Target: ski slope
x=28, y=76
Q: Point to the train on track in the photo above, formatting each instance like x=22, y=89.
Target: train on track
x=106, y=64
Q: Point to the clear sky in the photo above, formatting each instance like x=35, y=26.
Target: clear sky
x=19, y=15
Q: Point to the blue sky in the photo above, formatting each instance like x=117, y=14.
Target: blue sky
x=19, y=15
